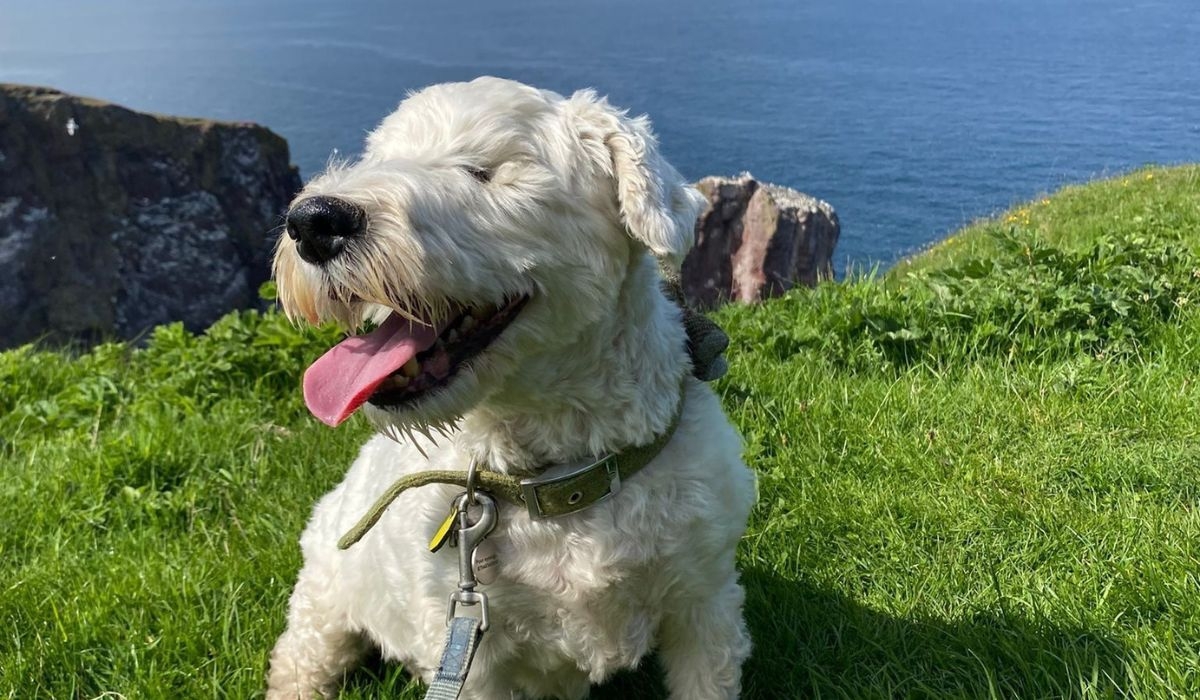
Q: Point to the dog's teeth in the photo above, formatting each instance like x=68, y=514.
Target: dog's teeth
x=411, y=368
x=396, y=381
x=467, y=324
x=452, y=336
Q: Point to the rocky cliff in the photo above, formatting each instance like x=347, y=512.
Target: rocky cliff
x=757, y=240
x=113, y=221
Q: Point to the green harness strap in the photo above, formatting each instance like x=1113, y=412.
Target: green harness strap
x=546, y=495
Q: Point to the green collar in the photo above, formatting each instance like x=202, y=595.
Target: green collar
x=558, y=490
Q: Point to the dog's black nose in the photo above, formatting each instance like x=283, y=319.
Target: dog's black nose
x=321, y=225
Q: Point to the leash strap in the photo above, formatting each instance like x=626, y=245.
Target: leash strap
x=461, y=640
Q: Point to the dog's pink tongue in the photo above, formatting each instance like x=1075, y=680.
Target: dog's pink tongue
x=343, y=379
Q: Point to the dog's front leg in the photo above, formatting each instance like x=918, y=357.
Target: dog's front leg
x=703, y=646
x=317, y=648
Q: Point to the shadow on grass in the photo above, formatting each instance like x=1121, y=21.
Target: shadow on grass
x=810, y=642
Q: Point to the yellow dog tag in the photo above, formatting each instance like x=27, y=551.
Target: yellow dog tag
x=442, y=536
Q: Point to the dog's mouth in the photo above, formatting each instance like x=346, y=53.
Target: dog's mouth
x=402, y=360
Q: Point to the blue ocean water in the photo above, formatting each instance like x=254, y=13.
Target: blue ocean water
x=910, y=116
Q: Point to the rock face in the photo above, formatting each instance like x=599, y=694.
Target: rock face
x=113, y=221
x=756, y=241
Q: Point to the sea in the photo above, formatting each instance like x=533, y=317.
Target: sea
x=911, y=117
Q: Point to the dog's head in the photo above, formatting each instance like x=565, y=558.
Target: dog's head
x=486, y=223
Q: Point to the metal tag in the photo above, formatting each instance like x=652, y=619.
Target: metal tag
x=485, y=562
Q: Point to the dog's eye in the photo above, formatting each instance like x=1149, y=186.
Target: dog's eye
x=481, y=174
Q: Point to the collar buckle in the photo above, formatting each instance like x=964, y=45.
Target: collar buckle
x=569, y=488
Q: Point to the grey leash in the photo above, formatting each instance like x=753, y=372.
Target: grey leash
x=461, y=639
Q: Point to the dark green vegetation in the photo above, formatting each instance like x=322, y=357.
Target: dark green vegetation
x=979, y=478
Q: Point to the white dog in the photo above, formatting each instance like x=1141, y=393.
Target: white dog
x=505, y=239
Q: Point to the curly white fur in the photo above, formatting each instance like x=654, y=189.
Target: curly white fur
x=578, y=205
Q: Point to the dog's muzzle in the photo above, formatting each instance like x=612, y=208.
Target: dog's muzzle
x=321, y=226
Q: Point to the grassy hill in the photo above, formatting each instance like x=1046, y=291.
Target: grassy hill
x=980, y=477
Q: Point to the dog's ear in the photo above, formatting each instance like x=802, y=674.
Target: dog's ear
x=657, y=207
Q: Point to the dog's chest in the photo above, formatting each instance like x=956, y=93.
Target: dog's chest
x=585, y=601
x=580, y=595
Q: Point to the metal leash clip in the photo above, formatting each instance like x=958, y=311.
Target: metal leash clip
x=464, y=633
x=469, y=537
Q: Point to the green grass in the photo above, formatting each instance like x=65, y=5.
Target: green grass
x=979, y=477
x=1076, y=215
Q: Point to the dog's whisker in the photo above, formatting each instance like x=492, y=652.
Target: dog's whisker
x=417, y=445
x=403, y=312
